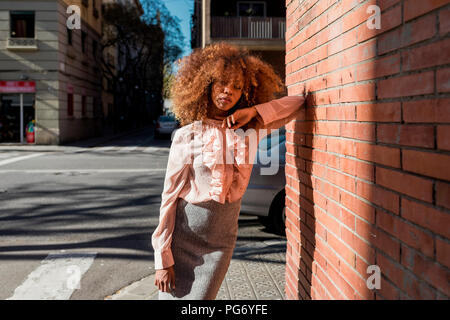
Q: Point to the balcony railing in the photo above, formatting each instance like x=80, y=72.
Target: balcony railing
x=21, y=44
x=248, y=27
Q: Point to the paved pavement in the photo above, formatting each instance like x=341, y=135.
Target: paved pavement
x=256, y=272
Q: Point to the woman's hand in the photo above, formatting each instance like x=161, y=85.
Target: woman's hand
x=165, y=279
x=239, y=118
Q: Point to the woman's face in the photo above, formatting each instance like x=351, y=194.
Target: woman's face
x=226, y=93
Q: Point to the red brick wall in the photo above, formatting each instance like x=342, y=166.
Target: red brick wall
x=368, y=165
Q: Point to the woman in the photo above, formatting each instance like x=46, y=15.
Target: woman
x=217, y=90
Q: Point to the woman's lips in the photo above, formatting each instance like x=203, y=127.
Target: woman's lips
x=227, y=100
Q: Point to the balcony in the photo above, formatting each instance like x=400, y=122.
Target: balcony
x=23, y=44
x=254, y=28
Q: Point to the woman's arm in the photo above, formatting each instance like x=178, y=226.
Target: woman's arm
x=175, y=179
x=276, y=113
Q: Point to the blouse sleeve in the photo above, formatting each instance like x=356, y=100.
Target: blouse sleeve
x=276, y=113
x=175, y=179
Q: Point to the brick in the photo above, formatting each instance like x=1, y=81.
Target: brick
x=443, y=137
x=341, y=113
x=436, y=110
x=358, y=53
x=427, y=164
x=414, y=8
x=344, y=181
x=360, y=246
x=405, y=183
x=444, y=21
x=427, y=217
x=406, y=232
x=443, y=80
x=378, y=68
x=381, y=197
x=426, y=269
x=426, y=56
x=358, y=207
x=360, y=131
x=408, y=135
x=359, y=169
x=357, y=281
x=388, y=291
x=405, y=86
x=379, y=112
x=386, y=4
x=443, y=252
x=378, y=239
x=404, y=279
x=341, y=146
x=443, y=194
x=380, y=154
x=410, y=33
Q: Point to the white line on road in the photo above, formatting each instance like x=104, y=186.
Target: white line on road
x=56, y=278
x=79, y=170
x=29, y=156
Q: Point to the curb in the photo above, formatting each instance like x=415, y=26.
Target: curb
x=143, y=289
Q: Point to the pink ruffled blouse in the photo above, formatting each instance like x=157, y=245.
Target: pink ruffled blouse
x=208, y=162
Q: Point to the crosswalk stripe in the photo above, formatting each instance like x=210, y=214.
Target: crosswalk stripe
x=56, y=278
x=12, y=160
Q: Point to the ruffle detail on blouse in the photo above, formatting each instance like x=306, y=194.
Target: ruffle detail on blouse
x=215, y=159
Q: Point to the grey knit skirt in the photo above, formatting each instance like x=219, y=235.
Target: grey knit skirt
x=203, y=241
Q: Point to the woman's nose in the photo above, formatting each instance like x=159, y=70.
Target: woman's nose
x=227, y=89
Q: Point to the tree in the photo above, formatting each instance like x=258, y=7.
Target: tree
x=174, y=39
x=136, y=75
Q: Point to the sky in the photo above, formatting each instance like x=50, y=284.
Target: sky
x=182, y=9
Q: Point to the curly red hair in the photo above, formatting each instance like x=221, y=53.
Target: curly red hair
x=191, y=89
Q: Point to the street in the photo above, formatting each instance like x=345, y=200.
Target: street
x=71, y=213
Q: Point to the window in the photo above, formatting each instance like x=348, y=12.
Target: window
x=83, y=106
x=22, y=24
x=69, y=36
x=253, y=9
x=83, y=41
x=70, y=104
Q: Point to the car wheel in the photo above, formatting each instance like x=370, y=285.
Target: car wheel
x=277, y=214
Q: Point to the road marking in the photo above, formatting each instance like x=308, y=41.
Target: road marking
x=127, y=149
x=56, y=278
x=79, y=170
x=29, y=156
x=152, y=149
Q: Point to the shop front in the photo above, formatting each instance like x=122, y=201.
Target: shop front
x=17, y=111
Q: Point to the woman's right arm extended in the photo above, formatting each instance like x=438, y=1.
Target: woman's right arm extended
x=177, y=174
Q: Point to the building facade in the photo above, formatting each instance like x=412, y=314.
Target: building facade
x=258, y=26
x=37, y=46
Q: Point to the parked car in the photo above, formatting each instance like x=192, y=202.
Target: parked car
x=166, y=125
x=265, y=195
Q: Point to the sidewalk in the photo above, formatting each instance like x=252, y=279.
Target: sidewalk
x=256, y=272
x=85, y=143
